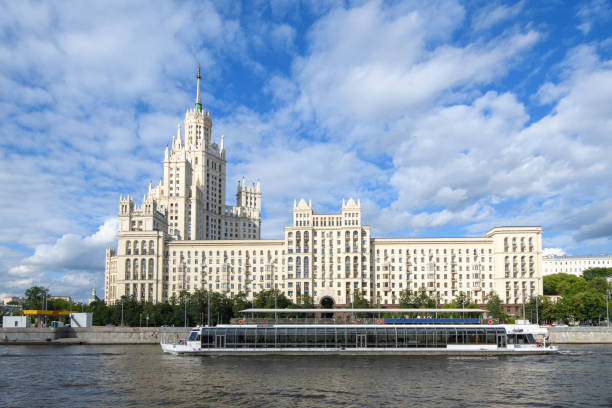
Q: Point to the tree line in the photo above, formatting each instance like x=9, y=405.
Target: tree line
x=569, y=298
x=566, y=298
x=197, y=308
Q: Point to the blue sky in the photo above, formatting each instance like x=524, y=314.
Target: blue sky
x=445, y=118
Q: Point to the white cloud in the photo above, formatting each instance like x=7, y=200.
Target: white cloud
x=374, y=62
x=553, y=252
x=69, y=264
x=493, y=14
x=591, y=13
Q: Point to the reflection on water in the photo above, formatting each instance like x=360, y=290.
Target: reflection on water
x=143, y=376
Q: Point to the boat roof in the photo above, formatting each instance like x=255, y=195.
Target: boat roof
x=256, y=310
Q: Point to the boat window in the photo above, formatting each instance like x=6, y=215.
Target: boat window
x=351, y=337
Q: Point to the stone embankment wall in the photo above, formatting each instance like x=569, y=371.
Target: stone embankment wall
x=92, y=335
x=580, y=335
x=154, y=335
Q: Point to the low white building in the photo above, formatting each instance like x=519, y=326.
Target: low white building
x=575, y=264
x=16, y=321
x=81, y=319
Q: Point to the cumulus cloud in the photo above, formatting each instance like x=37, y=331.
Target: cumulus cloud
x=553, y=252
x=68, y=264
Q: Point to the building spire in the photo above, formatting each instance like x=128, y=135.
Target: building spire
x=198, y=104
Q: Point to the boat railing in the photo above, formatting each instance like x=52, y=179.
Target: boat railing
x=351, y=320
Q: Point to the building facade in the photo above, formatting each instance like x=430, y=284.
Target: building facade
x=329, y=256
x=183, y=238
x=575, y=264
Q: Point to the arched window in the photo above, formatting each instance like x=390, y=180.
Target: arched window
x=151, y=268
x=135, y=247
x=306, y=269
x=290, y=234
x=135, y=268
x=152, y=247
x=128, y=269
x=143, y=269
x=128, y=248
x=143, y=247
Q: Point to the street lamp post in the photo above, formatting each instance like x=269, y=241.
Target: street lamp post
x=208, y=306
x=607, y=296
x=537, y=311
x=524, y=305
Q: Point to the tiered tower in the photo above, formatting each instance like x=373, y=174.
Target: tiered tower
x=188, y=204
x=193, y=186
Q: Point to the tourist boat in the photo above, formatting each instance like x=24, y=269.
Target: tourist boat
x=363, y=336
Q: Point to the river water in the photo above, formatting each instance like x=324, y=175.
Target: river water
x=79, y=375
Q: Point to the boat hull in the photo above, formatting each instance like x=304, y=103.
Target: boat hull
x=186, y=349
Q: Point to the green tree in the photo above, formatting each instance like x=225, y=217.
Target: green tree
x=359, y=301
x=592, y=273
x=407, y=299
x=101, y=313
x=494, y=306
x=240, y=302
x=305, y=301
x=598, y=285
x=423, y=301
x=418, y=300
x=563, y=284
x=267, y=299
x=35, y=297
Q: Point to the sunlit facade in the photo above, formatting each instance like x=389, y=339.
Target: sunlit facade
x=184, y=238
